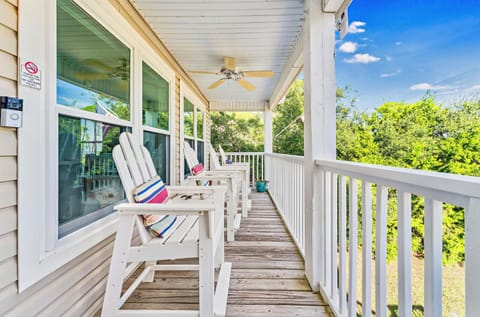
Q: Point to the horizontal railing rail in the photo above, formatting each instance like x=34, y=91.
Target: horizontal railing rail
x=354, y=194
x=286, y=187
x=256, y=161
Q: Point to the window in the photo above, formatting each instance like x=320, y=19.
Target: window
x=67, y=180
x=93, y=76
x=193, y=130
x=155, y=118
x=88, y=180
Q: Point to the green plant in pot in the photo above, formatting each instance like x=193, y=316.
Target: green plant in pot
x=261, y=185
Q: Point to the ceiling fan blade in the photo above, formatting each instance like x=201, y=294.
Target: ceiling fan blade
x=258, y=73
x=91, y=76
x=245, y=84
x=202, y=72
x=229, y=62
x=98, y=65
x=217, y=83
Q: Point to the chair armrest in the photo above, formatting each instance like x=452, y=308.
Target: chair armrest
x=218, y=177
x=196, y=189
x=170, y=208
x=219, y=172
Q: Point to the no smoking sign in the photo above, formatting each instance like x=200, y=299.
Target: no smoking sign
x=30, y=74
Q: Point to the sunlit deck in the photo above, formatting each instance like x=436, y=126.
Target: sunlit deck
x=267, y=276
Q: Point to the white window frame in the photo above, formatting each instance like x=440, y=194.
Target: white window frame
x=162, y=70
x=40, y=252
x=186, y=92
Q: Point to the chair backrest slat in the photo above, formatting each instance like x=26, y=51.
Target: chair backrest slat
x=190, y=156
x=148, y=161
x=222, y=154
x=214, y=158
x=139, y=158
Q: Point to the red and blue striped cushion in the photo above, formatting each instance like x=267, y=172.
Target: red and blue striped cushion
x=197, y=169
x=154, y=192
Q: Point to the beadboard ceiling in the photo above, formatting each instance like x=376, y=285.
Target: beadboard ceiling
x=259, y=34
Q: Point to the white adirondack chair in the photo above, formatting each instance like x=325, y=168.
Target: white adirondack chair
x=224, y=159
x=232, y=179
x=245, y=172
x=197, y=233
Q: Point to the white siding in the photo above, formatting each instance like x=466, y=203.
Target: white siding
x=76, y=289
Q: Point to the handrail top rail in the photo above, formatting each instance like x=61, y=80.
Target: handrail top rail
x=461, y=185
x=288, y=157
x=244, y=153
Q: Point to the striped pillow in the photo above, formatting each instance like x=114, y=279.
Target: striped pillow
x=197, y=169
x=154, y=192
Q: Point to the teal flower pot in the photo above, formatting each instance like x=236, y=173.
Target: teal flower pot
x=260, y=186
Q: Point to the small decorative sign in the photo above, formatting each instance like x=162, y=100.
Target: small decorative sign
x=30, y=74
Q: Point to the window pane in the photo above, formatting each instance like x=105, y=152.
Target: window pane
x=93, y=67
x=88, y=181
x=200, y=152
x=187, y=117
x=155, y=99
x=199, y=124
x=158, y=145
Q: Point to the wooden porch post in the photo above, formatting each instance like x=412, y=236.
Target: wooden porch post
x=267, y=131
x=320, y=128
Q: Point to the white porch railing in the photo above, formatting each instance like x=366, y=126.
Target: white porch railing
x=256, y=160
x=285, y=175
x=346, y=193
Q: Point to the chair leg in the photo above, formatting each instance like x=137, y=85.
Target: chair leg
x=220, y=251
x=118, y=264
x=231, y=211
x=150, y=276
x=244, y=197
x=207, y=270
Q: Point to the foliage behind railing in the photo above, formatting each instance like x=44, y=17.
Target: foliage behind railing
x=256, y=161
x=355, y=202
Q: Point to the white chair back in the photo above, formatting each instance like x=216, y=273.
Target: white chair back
x=135, y=167
x=214, y=158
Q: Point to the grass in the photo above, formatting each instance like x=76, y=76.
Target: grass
x=453, y=284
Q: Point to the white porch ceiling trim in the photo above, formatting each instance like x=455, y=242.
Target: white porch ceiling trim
x=289, y=74
x=238, y=105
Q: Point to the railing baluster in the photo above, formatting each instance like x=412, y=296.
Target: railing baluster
x=472, y=257
x=342, y=193
x=334, y=239
x=353, y=232
x=433, y=258
x=381, y=252
x=366, y=249
x=328, y=228
x=404, y=254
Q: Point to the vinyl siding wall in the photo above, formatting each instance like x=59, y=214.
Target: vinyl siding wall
x=76, y=289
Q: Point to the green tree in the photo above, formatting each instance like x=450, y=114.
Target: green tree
x=287, y=122
x=237, y=132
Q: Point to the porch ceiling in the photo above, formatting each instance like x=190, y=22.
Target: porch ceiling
x=260, y=34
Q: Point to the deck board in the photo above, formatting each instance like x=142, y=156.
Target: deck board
x=267, y=274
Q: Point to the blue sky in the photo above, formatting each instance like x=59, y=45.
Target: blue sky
x=397, y=50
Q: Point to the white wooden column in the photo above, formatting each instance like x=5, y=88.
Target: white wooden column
x=319, y=93
x=267, y=131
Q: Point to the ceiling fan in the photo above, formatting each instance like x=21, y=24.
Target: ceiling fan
x=229, y=72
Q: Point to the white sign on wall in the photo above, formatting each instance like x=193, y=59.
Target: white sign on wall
x=30, y=74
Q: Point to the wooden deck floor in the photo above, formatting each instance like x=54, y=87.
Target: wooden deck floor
x=267, y=275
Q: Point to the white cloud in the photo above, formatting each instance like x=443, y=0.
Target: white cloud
x=398, y=43
x=475, y=87
x=389, y=58
x=362, y=58
x=386, y=75
x=357, y=27
x=427, y=86
x=348, y=47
